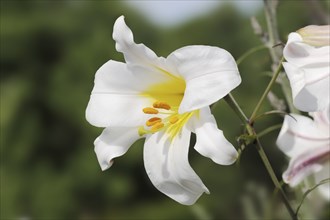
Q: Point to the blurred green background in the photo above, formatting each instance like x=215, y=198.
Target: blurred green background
x=50, y=51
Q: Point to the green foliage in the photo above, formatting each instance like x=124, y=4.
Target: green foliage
x=50, y=51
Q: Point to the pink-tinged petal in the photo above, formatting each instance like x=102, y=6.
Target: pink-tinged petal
x=167, y=166
x=210, y=141
x=302, y=165
x=115, y=100
x=310, y=87
x=299, y=134
x=210, y=74
x=112, y=143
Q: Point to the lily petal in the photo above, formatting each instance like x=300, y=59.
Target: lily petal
x=322, y=121
x=210, y=74
x=115, y=100
x=141, y=60
x=112, y=143
x=167, y=166
x=316, y=35
x=134, y=53
x=300, y=134
x=302, y=165
x=211, y=141
x=302, y=54
x=310, y=87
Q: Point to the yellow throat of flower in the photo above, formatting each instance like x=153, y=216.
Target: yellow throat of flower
x=164, y=114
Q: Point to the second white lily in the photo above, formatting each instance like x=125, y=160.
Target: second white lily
x=307, y=143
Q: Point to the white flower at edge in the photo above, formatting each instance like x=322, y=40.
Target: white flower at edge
x=307, y=143
x=308, y=67
x=163, y=100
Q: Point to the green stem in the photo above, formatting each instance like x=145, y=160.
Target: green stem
x=272, y=175
x=270, y=14
x=269, y=129
x=249, y=52
x=233, y=104
x=275, y=53
x=264, y=95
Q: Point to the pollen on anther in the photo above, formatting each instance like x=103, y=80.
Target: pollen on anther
x=149, y=110
x=157, y=126
x=162, y=105
x=153, y=121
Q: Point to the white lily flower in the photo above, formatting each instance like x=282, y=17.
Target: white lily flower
x=307, y=143
x=164, y=100
x=308, y=67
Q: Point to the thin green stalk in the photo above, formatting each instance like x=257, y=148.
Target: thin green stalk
x=309, y=191
x=270, y=7
x=272, y=175
x=233, y=104
x=269, y=129
x=249, y=52
x=270, y=85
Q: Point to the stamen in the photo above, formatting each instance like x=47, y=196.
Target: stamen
x=174, y=119
x=149, y=110
x=153, y=121
x=157, y=126
x=162, y=105
x=171, y=121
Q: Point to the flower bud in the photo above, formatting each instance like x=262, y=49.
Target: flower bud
x=315, y=35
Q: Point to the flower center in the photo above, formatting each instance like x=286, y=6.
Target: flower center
x=165, y=117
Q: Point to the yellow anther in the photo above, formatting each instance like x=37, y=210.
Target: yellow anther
x=162, y=105
x=174, y=119
x=157, y=126
x=153, y=121
x=149, y=110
